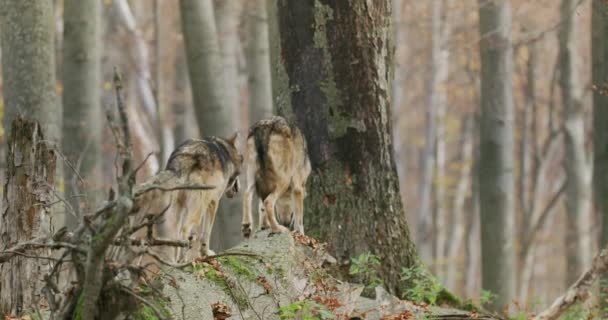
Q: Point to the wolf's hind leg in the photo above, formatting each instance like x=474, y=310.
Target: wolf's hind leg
x=298, y=219
x=207, y=226
x=269, y=203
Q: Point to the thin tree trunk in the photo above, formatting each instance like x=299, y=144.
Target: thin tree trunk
x=82, y=125
x=599, y=34
x=227, y=232
x=496, y=152
x=205, y=67
x=440, y=57
x=164, y=74
x=457, y=236
x=258, y=62
x=30, y=177
x=354, y=202
x=578, y=200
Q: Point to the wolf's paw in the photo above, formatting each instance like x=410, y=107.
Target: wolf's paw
x=246, y=230
x=278, y=230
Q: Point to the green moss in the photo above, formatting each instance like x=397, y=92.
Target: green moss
x=144, y=312
x=78, y=311
x=239, y=266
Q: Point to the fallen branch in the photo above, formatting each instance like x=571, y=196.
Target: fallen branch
x=579, y=291
x=186, y=186
x=155, y=242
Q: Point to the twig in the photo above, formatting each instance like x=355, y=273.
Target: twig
x=579, y=291
x=187, y=186
x=37, y=243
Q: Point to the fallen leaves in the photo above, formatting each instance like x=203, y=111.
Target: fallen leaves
x=220, y=311
x=405, y=315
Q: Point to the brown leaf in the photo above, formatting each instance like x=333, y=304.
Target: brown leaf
x=220, y=311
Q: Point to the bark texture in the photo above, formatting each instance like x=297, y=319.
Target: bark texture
x=82, y=125
x=338, y=57
x=496, y=181
x=28, y=64
x=25, y=215
x=578, y=199
x=599, y=34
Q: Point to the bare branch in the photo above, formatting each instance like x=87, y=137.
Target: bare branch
x=579, y=291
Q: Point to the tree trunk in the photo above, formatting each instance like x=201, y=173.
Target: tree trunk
x=578, y=200
x=30, y=177
x=82, y=125
x=227, y=232
x=599, y=34
x=338, y=57
x=457, y=236
x=205, y=67
x=496, y=180
x=258, y=62
x=28, y=64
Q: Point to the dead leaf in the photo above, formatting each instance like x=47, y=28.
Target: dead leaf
x=220, y=311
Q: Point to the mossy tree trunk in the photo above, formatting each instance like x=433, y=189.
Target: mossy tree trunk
x=82, y=117
x=338, y=57
x=599, y=34
x=30, y=175
x=496, y=180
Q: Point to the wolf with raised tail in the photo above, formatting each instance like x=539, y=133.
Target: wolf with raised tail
x=277, y=167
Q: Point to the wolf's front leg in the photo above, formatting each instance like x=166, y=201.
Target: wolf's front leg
x=298, y=224
x=247, y=218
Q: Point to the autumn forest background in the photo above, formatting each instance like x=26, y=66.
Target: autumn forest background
x=196, y=68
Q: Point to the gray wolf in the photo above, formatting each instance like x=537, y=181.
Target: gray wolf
x=190, y=213
x=277, y=167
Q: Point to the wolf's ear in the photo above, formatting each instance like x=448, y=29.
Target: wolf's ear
x=234, y=140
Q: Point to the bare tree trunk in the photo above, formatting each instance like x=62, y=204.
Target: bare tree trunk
x=205, y=67
x=578, y=199
x=599, y=34
x=354, y=201
x=227, y=232
x=258, y=62
x=165, y=55
x=457, y=235
x=30, y=177
x=82, y=125
x=496, y=152
x=440, y=57
x=28, y=64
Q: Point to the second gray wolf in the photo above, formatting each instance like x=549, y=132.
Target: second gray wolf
x=277, y=167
